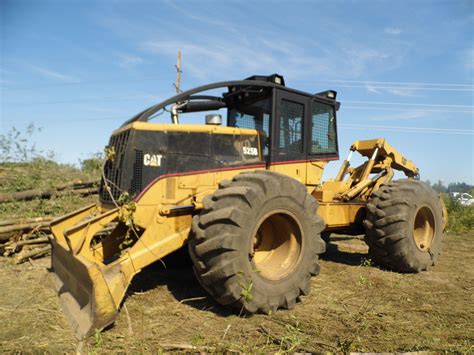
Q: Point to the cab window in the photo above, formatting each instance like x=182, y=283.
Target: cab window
x=291, y=127
x=251, y=110
x=323, y=129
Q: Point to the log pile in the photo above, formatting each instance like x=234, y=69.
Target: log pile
x=25, y=238
x=28, y=238
x=76, y=188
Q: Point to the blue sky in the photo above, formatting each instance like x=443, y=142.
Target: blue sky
x=403, y=69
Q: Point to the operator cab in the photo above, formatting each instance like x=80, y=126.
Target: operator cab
x=295, y=126
x=303, y=126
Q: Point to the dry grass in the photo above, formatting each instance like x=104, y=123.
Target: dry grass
x=354, y=306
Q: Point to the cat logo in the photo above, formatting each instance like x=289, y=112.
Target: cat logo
x=152, y=159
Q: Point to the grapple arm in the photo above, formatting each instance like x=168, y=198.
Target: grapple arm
x=385, y=150
x=360, y=182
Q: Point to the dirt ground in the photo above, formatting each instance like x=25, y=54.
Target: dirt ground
x=354, y=306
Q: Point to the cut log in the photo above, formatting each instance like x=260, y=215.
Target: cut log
x=39, y=240
x=79, y=185
x=16, y=230
x=4, y=237
x=35, y=253
x=25, y=195
x=84, y=192
x=12, y=246
x=81, y=188
x=23, y=227
x=8, y=222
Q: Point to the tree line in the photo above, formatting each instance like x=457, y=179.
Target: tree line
x=452, y=187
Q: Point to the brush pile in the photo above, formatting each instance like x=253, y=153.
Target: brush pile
x=28, y=238
x=25, y=238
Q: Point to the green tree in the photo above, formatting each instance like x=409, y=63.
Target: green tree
x=439, y=187
x=18, y=146
x=459, y=187
x=93, y=165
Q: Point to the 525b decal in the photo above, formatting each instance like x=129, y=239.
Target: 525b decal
x=250, y=151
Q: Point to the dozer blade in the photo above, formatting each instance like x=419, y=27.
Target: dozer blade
x=83, y=291
x=91, y=276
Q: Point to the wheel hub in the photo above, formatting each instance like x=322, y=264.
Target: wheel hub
x=276, y=245
x=424, y=228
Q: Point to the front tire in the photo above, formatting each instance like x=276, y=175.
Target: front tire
x=256, y=243
x=404, y=226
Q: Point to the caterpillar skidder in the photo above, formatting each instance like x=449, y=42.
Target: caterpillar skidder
x=246, y=197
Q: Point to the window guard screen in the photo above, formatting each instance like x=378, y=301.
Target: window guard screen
x=252, y=114
x=291, y=128
x=323, y=129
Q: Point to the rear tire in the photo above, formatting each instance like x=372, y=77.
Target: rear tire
x=256, y=243
x=404, y=226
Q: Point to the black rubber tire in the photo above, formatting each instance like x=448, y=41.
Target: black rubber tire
x=326, y=236
x=223, y=232
x=390, y=224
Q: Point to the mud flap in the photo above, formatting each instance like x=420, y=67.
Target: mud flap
x=83, y=291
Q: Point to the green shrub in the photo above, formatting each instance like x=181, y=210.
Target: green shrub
x=93, y=165
x=18, y=146
x=460, y=218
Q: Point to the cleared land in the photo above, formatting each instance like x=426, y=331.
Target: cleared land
x=354, y=306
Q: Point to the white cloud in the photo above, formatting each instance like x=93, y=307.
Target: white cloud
x=363, y=59
x=264, y=55
x=202, y=60
x=128, y=61
x=393, y=31
x=404, y=92
x=395, y=90
x=235, y=50
x=210, y=21
x=371, y=88
x=407, y=115
x=54, y=75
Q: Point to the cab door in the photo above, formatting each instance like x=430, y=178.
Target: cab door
x=289, y=126
x=321, y=139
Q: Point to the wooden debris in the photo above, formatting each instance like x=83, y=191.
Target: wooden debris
x=84, y=192
x=11, y=231
x=23, y=227
x=4, y=237
x=25, y=195
x=79, y=185
x=33, y=253
x=25, y=238
x=40, y=240
x=77, y=188
x=187, y=347
x=27, y=242
x=8, y=222
x=28, y=238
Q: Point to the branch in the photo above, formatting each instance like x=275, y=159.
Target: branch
x=35, y=253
